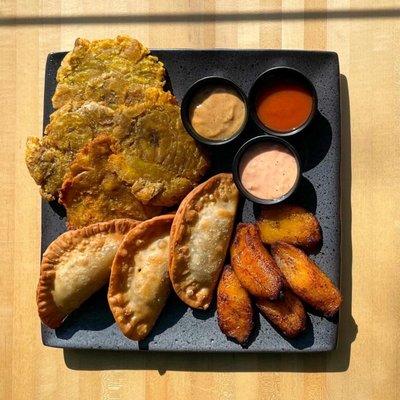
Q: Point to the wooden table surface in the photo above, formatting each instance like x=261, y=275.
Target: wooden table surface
x=366, y=364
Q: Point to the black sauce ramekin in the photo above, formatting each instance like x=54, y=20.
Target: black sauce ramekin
x=238, y=157
x=187, y=100
x=277, y=75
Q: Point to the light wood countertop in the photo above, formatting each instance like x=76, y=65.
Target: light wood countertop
x=366, y=364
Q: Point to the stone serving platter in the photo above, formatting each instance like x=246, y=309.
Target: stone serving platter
x=180, y=328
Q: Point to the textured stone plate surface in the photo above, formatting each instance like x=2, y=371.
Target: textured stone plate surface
x=180, y=328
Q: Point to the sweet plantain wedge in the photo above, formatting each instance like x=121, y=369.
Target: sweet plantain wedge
x=253, y=265
x=287, y=313
x=234, y=308
x=306, y=279
x=289, y=223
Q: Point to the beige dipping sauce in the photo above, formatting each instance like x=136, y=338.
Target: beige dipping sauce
x=268, y=171
x=217, y=112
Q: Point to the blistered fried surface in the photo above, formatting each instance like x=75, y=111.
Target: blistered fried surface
x=106, y=70
x=202, y=230
x=70, y=128
x=75, y=266
x=156, y=156
x=92, y=192
x=139, y=282
x=153, y=154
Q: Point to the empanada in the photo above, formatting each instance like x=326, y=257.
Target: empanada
x=202, y=230
x=139, y=282
x=75, y=266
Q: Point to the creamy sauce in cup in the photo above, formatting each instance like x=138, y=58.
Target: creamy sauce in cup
x=268, y=170
x=217, y=112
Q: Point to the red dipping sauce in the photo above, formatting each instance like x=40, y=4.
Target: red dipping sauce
x=284, y=107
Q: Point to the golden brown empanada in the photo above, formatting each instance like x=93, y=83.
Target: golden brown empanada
x=139, y=282
x=202, y=230
x=75, y=266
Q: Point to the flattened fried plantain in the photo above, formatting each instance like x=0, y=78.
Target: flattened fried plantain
x=234, y=308
x=70, y=128
x=111, y=197
x=106, y=70
x=253, y=265
x=154, y=156
x=286, y=313
x=289, y=223
x=306, y=279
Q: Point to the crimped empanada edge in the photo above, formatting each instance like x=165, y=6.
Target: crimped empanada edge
x=116, y=299
x=178, y=234
x=48, y=311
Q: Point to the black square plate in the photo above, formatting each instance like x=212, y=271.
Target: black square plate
x=180, y=328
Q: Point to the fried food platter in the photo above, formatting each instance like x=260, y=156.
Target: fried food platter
x=180, y=327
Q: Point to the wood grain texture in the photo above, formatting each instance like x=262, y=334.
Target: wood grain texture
x=366, y=363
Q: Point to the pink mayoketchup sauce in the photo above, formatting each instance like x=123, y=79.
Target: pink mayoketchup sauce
x=268, y=170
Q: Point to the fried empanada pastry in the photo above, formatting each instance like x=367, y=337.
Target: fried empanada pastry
x=234, y=308
x=91, y=192
x=286, y=313
x=75, y=266
x=289, y=223
x=202, y=230
x=253, y=265
x=105, y=70
x=306, y=279
x=139, y=282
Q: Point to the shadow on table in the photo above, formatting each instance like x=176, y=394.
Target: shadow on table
x=170, y=18
x=335, y=361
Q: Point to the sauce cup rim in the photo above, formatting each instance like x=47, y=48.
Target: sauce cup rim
x=252, y=98
x=187, y=99
x=236, y=163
